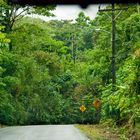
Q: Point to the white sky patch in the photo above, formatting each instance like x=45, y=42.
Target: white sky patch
x=70, y=12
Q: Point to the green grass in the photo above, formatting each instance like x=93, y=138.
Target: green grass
x=110, y=132
x=97, y=132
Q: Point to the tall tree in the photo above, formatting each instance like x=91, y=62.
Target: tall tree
x=10, y=13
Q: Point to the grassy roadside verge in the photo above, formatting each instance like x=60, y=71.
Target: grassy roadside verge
x=97, y=132
x=2, y=126
x=106, y=132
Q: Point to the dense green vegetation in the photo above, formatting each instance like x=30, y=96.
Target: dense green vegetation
x=49, y=69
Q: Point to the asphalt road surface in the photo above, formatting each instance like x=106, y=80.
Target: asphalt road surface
x=42, y=132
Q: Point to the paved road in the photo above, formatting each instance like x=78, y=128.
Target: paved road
x=42, y=132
